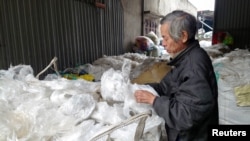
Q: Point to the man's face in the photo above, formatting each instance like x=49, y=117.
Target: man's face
x=171, y=46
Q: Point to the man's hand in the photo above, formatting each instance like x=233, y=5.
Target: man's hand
x=143, y=96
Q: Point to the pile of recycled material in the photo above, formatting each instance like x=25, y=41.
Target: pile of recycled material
x=232, y=71
x=62, y=109
x=59, y=109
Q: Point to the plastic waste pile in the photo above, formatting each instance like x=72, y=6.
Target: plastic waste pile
x=59, y=109
x=232, y=70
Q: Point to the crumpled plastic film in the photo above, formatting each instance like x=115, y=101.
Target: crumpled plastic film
x=131, y=106
x=80, y=106
x=113, y=85
x=108, y=114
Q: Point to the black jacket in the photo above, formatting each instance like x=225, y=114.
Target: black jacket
x=188, y=96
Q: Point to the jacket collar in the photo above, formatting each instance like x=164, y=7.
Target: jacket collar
x=190, y=47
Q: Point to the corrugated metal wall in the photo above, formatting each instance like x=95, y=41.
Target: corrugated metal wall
x=32, y=32
x=233, y=16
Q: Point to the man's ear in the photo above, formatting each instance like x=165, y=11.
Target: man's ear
x=184, y=36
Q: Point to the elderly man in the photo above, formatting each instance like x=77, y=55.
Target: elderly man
x=188, y=94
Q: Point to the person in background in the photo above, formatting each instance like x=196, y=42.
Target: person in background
x=188, y=94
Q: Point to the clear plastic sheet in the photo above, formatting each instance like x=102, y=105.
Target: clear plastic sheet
x=114, y=83
x=108, y=114
x=80, y=106
x=131, y=107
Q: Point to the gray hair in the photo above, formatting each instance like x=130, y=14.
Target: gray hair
x=179, y=21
